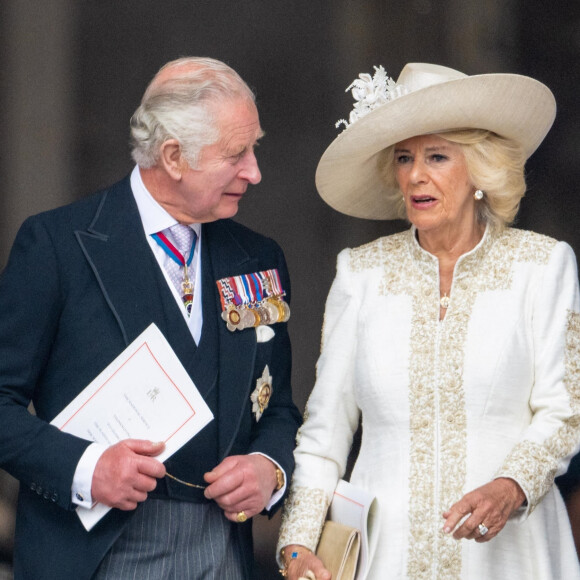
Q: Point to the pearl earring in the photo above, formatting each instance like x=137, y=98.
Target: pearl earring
x=478, y=194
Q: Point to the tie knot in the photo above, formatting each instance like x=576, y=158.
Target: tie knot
x=183, y=236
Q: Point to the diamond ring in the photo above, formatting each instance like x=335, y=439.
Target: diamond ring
x=482, y=529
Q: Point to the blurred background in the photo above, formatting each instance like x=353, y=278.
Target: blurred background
x=72, y=73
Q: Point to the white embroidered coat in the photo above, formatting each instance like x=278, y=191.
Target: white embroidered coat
x=492, y=390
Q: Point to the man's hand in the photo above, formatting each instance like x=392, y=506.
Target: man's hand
x=242, y=483
x=126, y=472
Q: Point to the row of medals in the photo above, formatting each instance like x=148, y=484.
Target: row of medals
x=269, y=311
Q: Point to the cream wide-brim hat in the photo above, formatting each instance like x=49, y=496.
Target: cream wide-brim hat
x=437, y=99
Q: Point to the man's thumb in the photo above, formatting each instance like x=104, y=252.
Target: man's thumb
x=145, y=447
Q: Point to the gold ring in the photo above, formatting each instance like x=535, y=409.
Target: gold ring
x=241, y=517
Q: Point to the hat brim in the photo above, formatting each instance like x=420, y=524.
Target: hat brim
x=348, y=177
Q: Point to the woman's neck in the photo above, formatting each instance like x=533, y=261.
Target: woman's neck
x=448, y=244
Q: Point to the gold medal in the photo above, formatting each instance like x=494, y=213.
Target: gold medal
x=283, y=309
x=264, y=314
x=247, y=318
x=233, y=317
x=257, y=318
x=286, y=309
x=273, y=311
x=280, y=311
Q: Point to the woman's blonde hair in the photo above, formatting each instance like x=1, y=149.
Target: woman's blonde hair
x=495, y=165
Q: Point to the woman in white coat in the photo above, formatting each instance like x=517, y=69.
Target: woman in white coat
x=457, y=341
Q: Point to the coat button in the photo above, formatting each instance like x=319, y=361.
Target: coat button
x=39, y=490
x=33, y=486
x=54, y=497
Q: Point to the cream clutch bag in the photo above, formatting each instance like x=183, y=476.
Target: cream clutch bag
x=339, y=549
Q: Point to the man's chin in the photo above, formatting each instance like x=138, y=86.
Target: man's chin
x=231, y=208
x=228, y=211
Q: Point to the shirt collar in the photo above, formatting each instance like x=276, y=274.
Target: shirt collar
x=154, y=217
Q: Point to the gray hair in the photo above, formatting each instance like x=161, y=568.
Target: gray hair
x=182, y=107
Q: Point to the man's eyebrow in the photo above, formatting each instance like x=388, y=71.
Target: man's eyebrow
x=256, y=141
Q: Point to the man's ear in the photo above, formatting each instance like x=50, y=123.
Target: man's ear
x=171, y=159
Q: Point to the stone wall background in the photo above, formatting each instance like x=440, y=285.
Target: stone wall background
x=72, y=72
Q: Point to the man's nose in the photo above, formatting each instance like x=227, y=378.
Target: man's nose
x=250, y=171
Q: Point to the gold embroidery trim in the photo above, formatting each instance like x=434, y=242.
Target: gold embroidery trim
x=303, y=517
x=535, y=465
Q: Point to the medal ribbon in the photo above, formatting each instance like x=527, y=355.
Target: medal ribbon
x=257, y=286
x=249, y=290
x=247, y=285
x=179, y=259
x=227, y=295
x=172, y=251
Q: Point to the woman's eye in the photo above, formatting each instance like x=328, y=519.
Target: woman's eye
x=438, y=157
x=400, y=159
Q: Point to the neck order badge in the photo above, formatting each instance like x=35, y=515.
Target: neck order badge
x=178, y=267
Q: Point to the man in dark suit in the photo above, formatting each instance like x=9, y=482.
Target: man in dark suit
x=84, y=280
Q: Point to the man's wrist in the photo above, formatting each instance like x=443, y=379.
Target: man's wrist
x=83, y=477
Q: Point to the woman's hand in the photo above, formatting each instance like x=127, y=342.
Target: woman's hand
x=305, y=565
x=490, y=507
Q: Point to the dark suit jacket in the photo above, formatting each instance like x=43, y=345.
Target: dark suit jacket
x=81, y=283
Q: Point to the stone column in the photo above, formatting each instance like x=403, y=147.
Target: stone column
x=36, y=141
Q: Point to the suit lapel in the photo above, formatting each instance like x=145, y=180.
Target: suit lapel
x=128, y=273
x=136, y=291
x=237, y=349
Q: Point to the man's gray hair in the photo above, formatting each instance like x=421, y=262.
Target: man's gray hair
x=183, y=107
